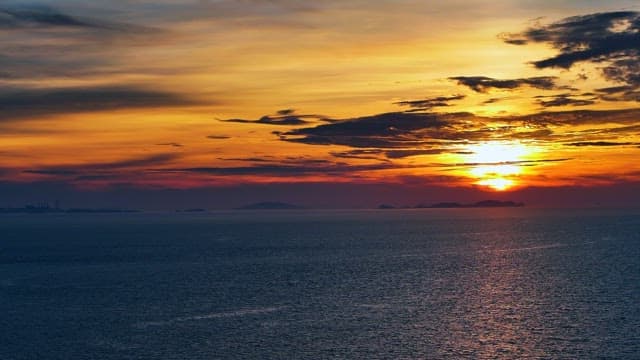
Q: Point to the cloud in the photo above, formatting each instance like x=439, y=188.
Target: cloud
x=611, y=39
x=401, y=134
x=52, y=171
x=422, y=133
x=151, y=160
x=112, y=171
x=578, y=117
x=389, y=154
x=619, y=93
x=27, y=17
x=563, y=100
x=44, y=42
x=40, y=16
x=289, y=160
x=600, y=143
x=388, y=130
x=218, y=137
x=331, y=169
x=428, y=104
x=283, y=117
x=483, y=84
x=30, y=103
x=615, y=89
x=173, y=144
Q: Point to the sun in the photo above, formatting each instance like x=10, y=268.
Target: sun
x=497, y=165
x=498, y=184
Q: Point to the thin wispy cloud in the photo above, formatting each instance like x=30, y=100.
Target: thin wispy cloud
x=18, y=104
x=430, y=103
x=285, y=117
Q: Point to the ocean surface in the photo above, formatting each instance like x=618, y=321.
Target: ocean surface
x=378, y=284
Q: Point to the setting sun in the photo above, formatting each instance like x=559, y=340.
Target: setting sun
x=498, y=184
x=497, y=165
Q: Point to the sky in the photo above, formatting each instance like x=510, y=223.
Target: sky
x=350, y=103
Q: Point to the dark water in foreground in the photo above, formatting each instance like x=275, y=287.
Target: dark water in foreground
x=459, y=283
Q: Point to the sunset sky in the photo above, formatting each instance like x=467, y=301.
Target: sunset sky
x=348, y=103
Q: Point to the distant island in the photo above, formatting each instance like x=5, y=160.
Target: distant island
x=455, y=205
x=270, y=205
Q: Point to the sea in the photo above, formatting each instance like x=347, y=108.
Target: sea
x=475, y=283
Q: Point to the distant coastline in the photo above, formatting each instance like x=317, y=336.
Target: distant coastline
x=44, y=208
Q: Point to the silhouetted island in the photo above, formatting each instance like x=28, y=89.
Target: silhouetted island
x=270, y=205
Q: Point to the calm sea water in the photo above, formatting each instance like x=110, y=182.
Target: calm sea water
x=401, y=284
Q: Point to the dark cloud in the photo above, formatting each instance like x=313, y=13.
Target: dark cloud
x=173, y=144
x=301, y=161
x=430, y=103
x=600, y=143
x=150, y=160
x=421, y=133
x=611, y=38
x=530, y=135
x=615, y=89
x=283, y=117
x=377, y=136
x=389, y=130
x=31, y=103
x=218, y=137
x=403, y=153
x=331, y=169
x=102, y=169
x=51, y=172
x=43, y=42
x=248, y=159
x=630, y=129
x=563, y=100
x=619, y=93
x=578, y=117
x=40, y=16
x=483, y=84
x=374, y=154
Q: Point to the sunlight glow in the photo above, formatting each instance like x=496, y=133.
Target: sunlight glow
x=498, y=152
x=496, y=164
x=498, y=184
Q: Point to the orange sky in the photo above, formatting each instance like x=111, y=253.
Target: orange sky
x=503, y=96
